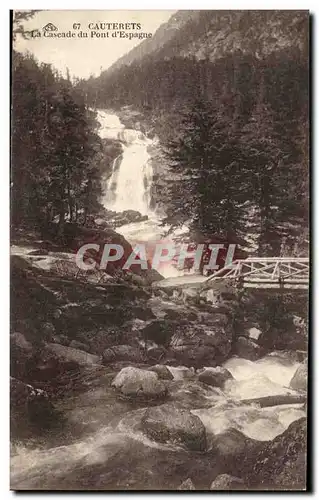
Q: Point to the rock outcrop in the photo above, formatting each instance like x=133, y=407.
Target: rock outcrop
x=187, y=485
x=79, y=345
x=299, y=381
x=159, y=331
x=227, y=482
x=136, y=383
x=21, y=351
x=162, y=371
x=198, y=345
x=122, y=353
x=70, y=354
x=167, y=423
x=248, y=349
x=29, y=406
x=281, y=463
x=215, y=377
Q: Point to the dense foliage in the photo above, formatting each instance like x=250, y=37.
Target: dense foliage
x=56, y=152
x=236, y=135
x=226, y=92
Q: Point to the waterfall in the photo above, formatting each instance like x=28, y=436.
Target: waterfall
x=129, y=187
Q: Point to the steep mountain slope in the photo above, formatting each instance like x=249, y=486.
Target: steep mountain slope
x=214, y=34
x=163, y=35
x=234, y=82
x=223, y=55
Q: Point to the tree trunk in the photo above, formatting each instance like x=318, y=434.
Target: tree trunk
x=61, y=220
x=281, y=399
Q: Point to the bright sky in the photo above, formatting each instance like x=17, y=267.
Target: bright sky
x=86, y=56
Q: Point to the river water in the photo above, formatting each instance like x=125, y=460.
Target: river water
x=110, y=454
x=102, y=448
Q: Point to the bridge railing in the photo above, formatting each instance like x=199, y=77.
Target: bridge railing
x=272, y=271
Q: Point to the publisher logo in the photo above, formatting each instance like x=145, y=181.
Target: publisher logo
x=50, y=27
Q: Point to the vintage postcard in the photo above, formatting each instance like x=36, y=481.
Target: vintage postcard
x=159, y=250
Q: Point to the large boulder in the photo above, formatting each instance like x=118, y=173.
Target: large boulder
x=205, y=344
x=99, y=340
x=18, y=340
x=215, y=377
x=182, y=372
x=190, y=394
x=122, y=353
x=300, y=378
x=143, y=312
x=162, y=371
x=21, y=394
x=227, y=482
x=136, y=383
x=190, y=294
x=28, y=406
x=173, y=314
x=187, y=485
x=127, y=217
x=248, y=349
x=70, y=354
x=159, y=331
x=167, y=423
x=76, y=235
x=287, y=337
x=47, y=368
x=281, y=319
x=222, y=296
x=281, y=463
x=79, y=345
x=21, y=351
x=231, y=446
x=195, y=356
x=155, y=353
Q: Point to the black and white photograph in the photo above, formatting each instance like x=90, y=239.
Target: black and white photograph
x=159, y=250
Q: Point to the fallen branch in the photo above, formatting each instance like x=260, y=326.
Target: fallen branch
x=281, y=399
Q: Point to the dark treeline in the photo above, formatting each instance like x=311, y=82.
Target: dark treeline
x=236, y=135
x=235, y=131
x=57, y=155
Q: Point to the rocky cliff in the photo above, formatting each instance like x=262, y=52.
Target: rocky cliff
x=217, y=33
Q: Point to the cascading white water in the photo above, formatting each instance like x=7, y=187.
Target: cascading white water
x=129, y=186
x=45, y=468
x=268, y=376
x=96, y=453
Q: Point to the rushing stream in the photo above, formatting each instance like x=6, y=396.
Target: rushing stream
x=111, y=454
x=102, y=447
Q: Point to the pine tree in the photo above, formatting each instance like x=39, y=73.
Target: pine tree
x=56, y=152
x=211, y=189
x=273, y=156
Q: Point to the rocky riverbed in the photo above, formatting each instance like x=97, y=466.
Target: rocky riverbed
x=117, y=385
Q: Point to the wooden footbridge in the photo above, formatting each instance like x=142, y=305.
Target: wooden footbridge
x=253, y=272
x=267, y=272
